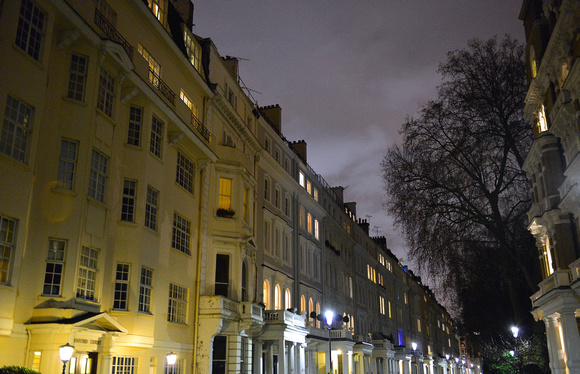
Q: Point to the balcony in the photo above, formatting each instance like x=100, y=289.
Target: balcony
x=218, y=306
x=112, y=32
x=251, y=311
x=560, y=278
x=196, y=123
x=283, y=317
x=156, y=80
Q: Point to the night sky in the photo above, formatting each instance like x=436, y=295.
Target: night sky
x=348, y=73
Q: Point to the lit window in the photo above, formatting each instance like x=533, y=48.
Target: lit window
x=192, y=47
x=266, y=291
x=308, y=187
x=315, y=194
x=16, y=129
x=177, y=308
x=316, y=230
x=542, y=121
x=533, y=63
x=121, y=296
x=36, y=360
x=287, y=299
x=158, y=9
x=67, y=164
x=77, y=77
x=277, y=297
x=156, y=136
x=154, y=66
x=418, y=325
x=301, y=179
x=225, y=194
x=98, y=176
x=87, y=277
x=123, y=365
x=187, y=101
x=30, y=29
x=54, y=267
x=184, y=175
x=151, y=207
x=145, y=290
x=106, y=93
x=546, y=257
x=302, y=217
x=382, y=304
x=390, y=316
x=128, y=201
x=309, y=222
x=181, y=234
x=135, y=125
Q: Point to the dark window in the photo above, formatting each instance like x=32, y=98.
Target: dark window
x=222, y=274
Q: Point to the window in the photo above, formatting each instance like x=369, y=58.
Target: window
x=145, y=289
x=222, y=274
x=128, y=202
x=315, y=194
x=267, y=189
x=287, y=206
x=219, y=355
x=276, y=242
x=98, y=176
x=121, y=287
x=158, y=9
x=308, y=187
x=177, y=309
x=67, y=164
x=542, y=120
x=184, y=175
x=16, y=129
x=246, y=211
x=54, y=267
x=267, y=236
x=301, y=179
x=225, y=194
x=7, y=242
x=156, y=136
x=37, y=355
x=193, y=49
x=181, y=235
x=266, y=291
x=77, y=77
x=123, y=365
x=311, y=307
x=286, y=253
x=418, y=325
x=317, y=313
x=277, y=198
x=107, y=11
x=287, y=299
x=187, y=101
x=309, y=222
x=135, y=126
x=245, y=296
x=151, y=207
x=30, y=29
x=390, y=315
x=87, y=278
x=302, y=218
x=106, y=93
x=382, y=305
x=316, y=230
x=303, y=304
x=277, y=297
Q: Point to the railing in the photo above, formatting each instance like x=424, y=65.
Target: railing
x=250, y=310
x=558, y=279
x=362, y=339
x=575, y=266
x=112, y=32
x=156, y=80
x=196, y=123
x=284, y=316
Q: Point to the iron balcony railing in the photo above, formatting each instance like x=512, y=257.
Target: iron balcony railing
x=156, y=80
x=112, y=32
x=196, y=123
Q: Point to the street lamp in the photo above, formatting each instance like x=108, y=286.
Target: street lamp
x=447, y=356
x=171, y=358
x=329, y=314
x=414, y=346
x=65, y=352
x=515, y=331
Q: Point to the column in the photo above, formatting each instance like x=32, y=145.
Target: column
x=257, y=364
x=269, y=364
x=301, y=359
x=106, y=350
x=555, y=351
x=282, y=357
x=292, y=358
x=571, y=340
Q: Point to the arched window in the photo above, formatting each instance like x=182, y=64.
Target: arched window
x=277, y=297
x=245, y=296
x=310, y=307
x=303, y=304
x=267, y=301
x=287, y=299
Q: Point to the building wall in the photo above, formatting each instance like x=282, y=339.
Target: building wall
x=128, y=256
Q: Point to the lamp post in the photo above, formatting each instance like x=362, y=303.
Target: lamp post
x=65, y=352
x=171, y=359
x=329, y=317
x=515, y=331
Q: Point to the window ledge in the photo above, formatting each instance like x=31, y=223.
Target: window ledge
x=73, y=101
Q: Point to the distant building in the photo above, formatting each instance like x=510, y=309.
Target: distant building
x=150, y=209
x=553, y=169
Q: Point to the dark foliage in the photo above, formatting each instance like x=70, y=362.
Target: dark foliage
x=457, y=190
x=17, y=370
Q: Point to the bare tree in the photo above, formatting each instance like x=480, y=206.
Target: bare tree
x=456, y=185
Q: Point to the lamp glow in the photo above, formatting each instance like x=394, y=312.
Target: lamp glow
x=515, y=331
x=512, y=353
x=65, y=352
x=447, y=357
x=414, y=346
x=456, y=360
x=171, y=358
x=329, y=315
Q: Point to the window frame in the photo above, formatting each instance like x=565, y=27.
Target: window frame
x=121, y=292
x=185, y=172
x=16, y=133
x=177, y=304
x=181, y=234
x=145, y=290
x=106, y=93
x=77, y=81
x=52, y=263
x=151, y=208
x=29, y=35
x=67, y=164
x=87, y=275
x=98, y=175
x=128, y=201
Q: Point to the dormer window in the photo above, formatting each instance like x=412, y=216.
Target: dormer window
x=158, y=8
